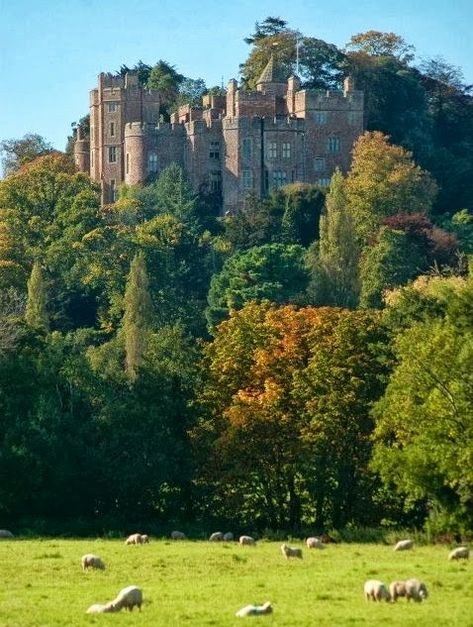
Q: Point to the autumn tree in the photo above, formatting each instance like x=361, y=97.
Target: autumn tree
x=18, y=152
x=378, y=44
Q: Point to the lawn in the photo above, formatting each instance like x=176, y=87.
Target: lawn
x=202, y=583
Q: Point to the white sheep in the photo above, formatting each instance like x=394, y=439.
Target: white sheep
x=144, y=538
x=397, y=589
x=92, y=561
x=128, y=598
x=137, y=538
x=5, y=534
x=178, y=535
x=416, y=590
x=376, y=590
x=460, y=553
x=247, y=540
x=404, y=545
x=98, y=608
x=228, y=537
x=254, y=610
x=217, y=536
x=314, y=543
x=288, y=552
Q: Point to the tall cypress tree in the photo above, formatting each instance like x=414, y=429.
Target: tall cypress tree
x=138, y=315
x=36, y=315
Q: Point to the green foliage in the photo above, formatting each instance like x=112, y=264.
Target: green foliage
x=18, y=152
x=36, y=314
x=377, y=44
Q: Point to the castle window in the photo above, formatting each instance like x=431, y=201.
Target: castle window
x=112, y=129
x=272, y=150
x=320, y=117
x=214, y=152
x=91, y=133
x=113, y=190
x=323, y=181
x=152, y=163
x=215, y=181
x=319, y=164
x=286, y=150
x=247, y=179
x=354, y=118
x=333, y=144
x=112, y=107
x=127, y=163
x=112, y=154
x=91, y=158
x=247, y=148
x=279, y=178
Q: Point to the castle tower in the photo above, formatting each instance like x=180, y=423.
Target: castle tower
x=82, y=151
x=134, y=150
x=272, y=79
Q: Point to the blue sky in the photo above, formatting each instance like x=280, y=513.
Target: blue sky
x=52, y=50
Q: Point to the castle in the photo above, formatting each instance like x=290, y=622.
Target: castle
x=235, y=144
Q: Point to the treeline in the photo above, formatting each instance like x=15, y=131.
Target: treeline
x=305, y=362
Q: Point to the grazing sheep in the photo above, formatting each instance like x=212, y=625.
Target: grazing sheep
x=326, y=539
x=397, y=589
x=137, y=538
x=178, y=535
x=404, y=545
x=314, y=543
x=254, y=610
x=376, y=590
x=216, y=537
x=228, y=537
x=416, y=590
x=5, y=534
x=288, y=552
x=128, y=598
x=92, y=561
x=98, y=608
x=460, y=553
x=248, y=540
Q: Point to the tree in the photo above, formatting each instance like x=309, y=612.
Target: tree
x=378, y=44
x=36, y=314
x=167, y=80
x=12, y=305
x=18, y=152
x=384, y=181
x=302, y=208
x=274, y=272
x=267, y=28
x=137, y=317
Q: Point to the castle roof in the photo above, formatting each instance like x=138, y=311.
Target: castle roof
x=272, y=73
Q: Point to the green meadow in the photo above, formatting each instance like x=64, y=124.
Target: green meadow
x=200, y=583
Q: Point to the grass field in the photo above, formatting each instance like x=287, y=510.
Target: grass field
x=199, y=583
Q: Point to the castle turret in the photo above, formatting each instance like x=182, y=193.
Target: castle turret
x=272, y=79
x=135, y=157
x=82, y=151
x=232, y=89
x=348, y=85
x=293, y=86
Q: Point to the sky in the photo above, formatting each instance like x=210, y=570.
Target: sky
x=51, y=51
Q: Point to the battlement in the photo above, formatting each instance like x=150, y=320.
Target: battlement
x=307, y=100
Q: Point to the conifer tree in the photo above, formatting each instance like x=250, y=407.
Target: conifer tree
x=36, y=315
x=338, y=250
x=137, y=318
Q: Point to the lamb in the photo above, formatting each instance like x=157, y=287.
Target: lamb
x=416, y=590
x=247, y=540
x=376, y=590
x=92, y=561
x=404, y=545
x=460, y=553
x=5, y=534
x=137, y=538
x=228, y=537
x=253, y=610
x=128, y=598
x=216, y=537
x=288, y=552
x=397, y=589
x=178, y=535
x=314, y=543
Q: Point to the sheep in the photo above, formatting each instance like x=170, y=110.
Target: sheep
x=247, y=540
x=397, y=589
x=137, y=538
x=228, y=537
x=253, y=610
x=404, y=545
x=416, y=590
x=288, y=552
x=178, y=535
x=314, y=543
x=98, y=608
x=5, y=534
x=128, y=598
x=460, y=553
x=144, y=538
x=376, y=590
x=216, y=537
x=92, y=561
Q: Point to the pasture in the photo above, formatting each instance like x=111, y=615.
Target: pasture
x=202, y=583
